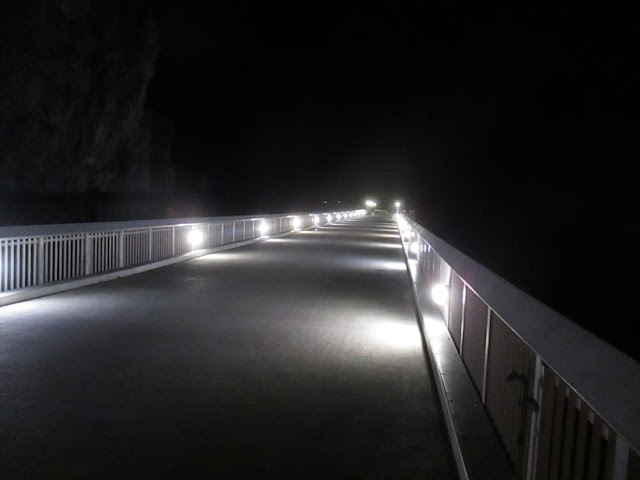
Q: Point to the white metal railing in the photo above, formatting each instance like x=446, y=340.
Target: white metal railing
x=565, y=404
x=40, y=254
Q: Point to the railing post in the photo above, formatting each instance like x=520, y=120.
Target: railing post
x=88, y=254
x=486, y=357
x=464, y=301
x=173, y=241
x=150, y=244
x=233, y=233
x=121, y=249
x=534, y=429
x=40, y=261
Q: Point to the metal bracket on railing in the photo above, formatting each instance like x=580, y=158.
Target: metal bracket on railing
x=526, y=403
x=524, y=379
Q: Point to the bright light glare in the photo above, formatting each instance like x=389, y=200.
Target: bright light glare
x=397, y=204
x=339, y=216
x=316, y=220
x=195, y=238
x=397, y=335
x=329, y=218
x=440, y=294
x=370, y=203
x=296, y=223
x=414, y=248
x=264, y=228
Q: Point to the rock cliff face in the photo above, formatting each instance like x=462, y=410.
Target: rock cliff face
x=73, y=79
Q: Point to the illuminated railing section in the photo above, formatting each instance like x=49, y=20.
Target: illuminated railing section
x=565, y=404
x=42, y=254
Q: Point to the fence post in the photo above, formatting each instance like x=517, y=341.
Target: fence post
x=173, y=241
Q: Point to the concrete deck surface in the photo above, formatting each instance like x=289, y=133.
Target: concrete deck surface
x=297, y=357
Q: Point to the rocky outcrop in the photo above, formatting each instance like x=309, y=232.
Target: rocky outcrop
x=73, y=80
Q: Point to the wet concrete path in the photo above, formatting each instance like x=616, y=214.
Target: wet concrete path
x=296, y=357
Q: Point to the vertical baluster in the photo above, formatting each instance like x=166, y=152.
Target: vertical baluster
x=594, y=451
x=91, y=249
x=581, y=447
x=30, y=258
x=60, y=245
x=52, y=259
x=63, y=258
x=3, y=266
x=69, y=266
x=78, y=256
x=618, y=461
x=55, y=252
x=150, y=258
x=20, y=263
x=39, y=261
x=100, y=240
x=45, y=264
x=72, y=256
x=27, y=260
x=65, y=247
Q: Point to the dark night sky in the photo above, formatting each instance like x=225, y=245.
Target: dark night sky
x=396, y=100
x=510, y=130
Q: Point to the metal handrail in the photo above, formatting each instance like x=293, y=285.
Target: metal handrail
x=34, y=255
x=590, y=375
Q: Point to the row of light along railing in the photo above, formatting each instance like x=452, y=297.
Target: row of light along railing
x=40, y=254
x=565, y=404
